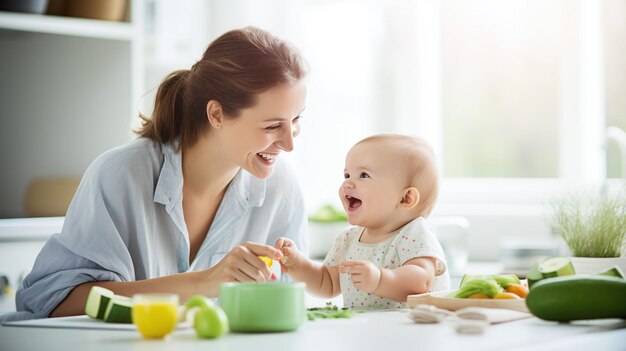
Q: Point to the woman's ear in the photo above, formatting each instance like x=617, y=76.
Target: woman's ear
x=410, y=198
x=214, y=113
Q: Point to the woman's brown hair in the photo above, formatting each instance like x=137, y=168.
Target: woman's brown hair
x=234, y=69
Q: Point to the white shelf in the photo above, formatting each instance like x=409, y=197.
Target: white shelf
x=78, y=27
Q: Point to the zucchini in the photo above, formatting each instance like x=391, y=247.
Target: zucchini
x=119, y=310
x=97, y=302
x=570, y=298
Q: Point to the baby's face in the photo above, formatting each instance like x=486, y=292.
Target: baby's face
x=374, y=182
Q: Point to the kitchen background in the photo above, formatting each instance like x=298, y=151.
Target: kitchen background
x=516, y=95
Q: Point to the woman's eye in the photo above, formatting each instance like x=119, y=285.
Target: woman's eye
x=364, y=175
x=273, y=127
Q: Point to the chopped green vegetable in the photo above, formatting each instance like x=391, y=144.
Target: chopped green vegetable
x=97, y=302
x=119, y=310
x=503, y=279
x=487, y=286
x=328, y=311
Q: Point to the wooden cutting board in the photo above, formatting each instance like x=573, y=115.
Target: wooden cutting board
x=440, y=299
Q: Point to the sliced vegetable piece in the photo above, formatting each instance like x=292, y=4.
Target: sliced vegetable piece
x=119, y=310
x=506, y=296
x=97, y=302
x=485, y=286
x=517, y=289
x=506, y=279
x=556, y=267
x=533, y=275
x=613, y=272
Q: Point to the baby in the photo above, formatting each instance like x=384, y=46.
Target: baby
x=391, y=252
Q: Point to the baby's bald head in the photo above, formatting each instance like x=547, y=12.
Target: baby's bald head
x=415, y=162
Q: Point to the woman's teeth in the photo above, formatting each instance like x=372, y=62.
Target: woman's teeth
x=268, y=157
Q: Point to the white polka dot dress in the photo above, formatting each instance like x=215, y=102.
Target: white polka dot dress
x=415, y=239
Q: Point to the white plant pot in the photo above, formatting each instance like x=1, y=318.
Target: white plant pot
x=592, y=265
x=322, y=237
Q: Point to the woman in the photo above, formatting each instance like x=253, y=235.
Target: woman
x=198, y=197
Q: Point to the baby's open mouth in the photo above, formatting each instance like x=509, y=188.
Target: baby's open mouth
x=354, y=203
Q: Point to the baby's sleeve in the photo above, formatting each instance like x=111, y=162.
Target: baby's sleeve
x=419, y=240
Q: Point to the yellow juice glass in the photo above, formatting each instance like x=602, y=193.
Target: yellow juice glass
x=155, y=315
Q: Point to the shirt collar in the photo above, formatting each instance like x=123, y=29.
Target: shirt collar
x=248, y=190
x=169, y=188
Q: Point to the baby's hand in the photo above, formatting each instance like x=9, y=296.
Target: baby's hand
x=365, y=274
x=290, y=253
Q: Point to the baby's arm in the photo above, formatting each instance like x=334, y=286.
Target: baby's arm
x=320, y=279
x=414, y=277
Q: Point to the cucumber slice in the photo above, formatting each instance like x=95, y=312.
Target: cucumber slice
x=119, y=310
x=97, y=302
x=613, y=272
x=556, y=267
x=533, y=275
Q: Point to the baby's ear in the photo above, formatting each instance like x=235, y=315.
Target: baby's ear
x=410, y=198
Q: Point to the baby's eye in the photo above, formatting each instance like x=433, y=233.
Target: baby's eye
x=364, y=175
x=346, y=175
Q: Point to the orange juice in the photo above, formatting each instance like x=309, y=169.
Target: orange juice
x=155, y=315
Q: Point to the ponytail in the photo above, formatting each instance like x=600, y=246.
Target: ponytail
x=165, y=124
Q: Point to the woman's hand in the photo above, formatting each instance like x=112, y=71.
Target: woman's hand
x=242, y=264
x=290, y=253
x=365, y=274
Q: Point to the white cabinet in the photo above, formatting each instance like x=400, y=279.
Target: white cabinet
x=69, y=89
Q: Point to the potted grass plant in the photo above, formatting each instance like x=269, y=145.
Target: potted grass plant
x=593, y=227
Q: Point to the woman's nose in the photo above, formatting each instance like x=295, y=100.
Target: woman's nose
x=285, y=141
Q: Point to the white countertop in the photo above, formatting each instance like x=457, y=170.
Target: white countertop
x=391, y=330
x=29, y=229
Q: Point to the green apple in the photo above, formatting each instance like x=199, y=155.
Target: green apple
x=193, y=304
x=198, y=301
x=210, y=322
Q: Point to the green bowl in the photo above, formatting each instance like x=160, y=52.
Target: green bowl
x=263, y=307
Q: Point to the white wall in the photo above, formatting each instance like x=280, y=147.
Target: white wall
x=47, y=81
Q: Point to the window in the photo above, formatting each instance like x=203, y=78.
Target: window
x=515, y=95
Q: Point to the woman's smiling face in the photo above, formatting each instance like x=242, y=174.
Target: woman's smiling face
x=260, y=133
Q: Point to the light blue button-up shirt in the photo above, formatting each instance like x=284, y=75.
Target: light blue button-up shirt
x=126, y=223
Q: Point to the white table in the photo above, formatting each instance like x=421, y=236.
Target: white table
x=377, y=331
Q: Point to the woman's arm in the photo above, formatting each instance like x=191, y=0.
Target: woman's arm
x=241, y=264
x=181, y=284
